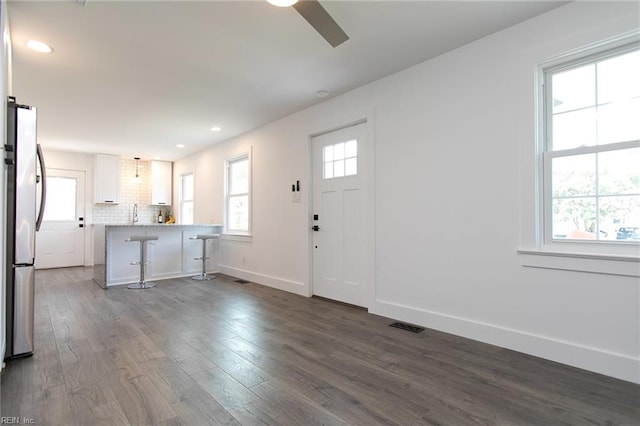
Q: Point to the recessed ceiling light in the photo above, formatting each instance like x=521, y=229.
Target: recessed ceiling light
x=39, y=46
x=180, y=145
x=216, y=128
x=283, y=3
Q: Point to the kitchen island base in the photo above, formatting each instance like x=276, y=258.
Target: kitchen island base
x=171, y=256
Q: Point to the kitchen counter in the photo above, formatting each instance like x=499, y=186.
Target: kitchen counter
x=171, y=256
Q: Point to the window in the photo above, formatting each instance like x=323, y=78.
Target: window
x=186, y=199
x=590, y=157
x=238, y=185
x=62, y=191
x=340, y=160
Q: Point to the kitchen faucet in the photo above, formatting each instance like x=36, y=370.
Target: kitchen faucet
x=135, y=213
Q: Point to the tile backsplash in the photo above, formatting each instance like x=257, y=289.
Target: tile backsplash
x=132, y=191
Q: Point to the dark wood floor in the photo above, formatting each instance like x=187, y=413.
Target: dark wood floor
x=218, y=352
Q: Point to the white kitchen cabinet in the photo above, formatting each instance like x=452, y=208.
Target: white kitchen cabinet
x=107, y=179
x=161, y=183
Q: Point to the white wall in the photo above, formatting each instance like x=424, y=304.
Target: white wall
x=454, y=139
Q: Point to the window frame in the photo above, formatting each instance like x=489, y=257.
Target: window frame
x=183, y=200
x=245, y=156
x=344, y=160
x=590, y=249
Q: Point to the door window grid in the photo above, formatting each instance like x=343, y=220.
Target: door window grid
x=592, y=149
x=340, y=160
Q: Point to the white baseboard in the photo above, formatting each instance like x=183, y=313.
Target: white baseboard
x=269, y=281
x=612, y=364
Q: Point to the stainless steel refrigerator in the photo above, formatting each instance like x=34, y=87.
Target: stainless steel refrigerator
x=25, y=171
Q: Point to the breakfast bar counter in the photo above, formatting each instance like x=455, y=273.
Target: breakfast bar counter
x=171, y=256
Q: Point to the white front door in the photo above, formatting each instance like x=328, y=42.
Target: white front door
x=60, y=241
x=340, y=255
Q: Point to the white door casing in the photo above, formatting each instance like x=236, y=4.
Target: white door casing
x=341, y=256
x=60, y=241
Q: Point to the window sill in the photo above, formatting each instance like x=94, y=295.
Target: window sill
x=244, y=238
x=628, y=266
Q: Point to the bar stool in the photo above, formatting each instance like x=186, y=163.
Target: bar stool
x=204, y=237
x=143, y=240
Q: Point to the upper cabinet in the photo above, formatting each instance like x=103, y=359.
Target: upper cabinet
x=161, y=183
x=107, y=179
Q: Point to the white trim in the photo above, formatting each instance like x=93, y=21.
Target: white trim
x=612, y=364
x=353, y=123
x=243, y=238
x=627, y=266
x=586, y=53
x=227, y=162
x=368, y=120
x=571, y=249
x=181, y=199
x=266, y=280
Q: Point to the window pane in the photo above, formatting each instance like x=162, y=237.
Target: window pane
x=187, y=187
x=595, y=196
x=187, y=213
x=239, y=213
x=239, y=177
x=338, y=151
x=618, y=78
x=574, y=176
x=351, y=149
x=574, y=89
x=574, y=129
x=619, y=172
x=574, y=218
x=61, y=199
x=617, y=213
x=619, y=122
x=338, y=168
x=328, y=170
x=351, y=167
x=328, y=153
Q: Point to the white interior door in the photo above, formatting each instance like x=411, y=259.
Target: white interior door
x=60, y=241
x=340, y=183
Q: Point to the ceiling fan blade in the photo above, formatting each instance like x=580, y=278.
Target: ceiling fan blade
x=319, y=18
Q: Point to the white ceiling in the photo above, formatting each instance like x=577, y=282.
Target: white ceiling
x=135, y=78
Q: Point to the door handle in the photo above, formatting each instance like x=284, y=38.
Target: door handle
x=43, y=194
x=315, y=228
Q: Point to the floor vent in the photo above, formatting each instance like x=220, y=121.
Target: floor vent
x=240, y=281
x=408, y=327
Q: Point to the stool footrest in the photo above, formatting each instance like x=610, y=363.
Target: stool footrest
x=199, y=258
x=144, y=240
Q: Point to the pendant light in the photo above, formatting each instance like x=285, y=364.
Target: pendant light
x=137, y=178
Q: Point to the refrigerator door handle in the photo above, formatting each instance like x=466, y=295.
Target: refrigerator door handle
x=43, y=196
